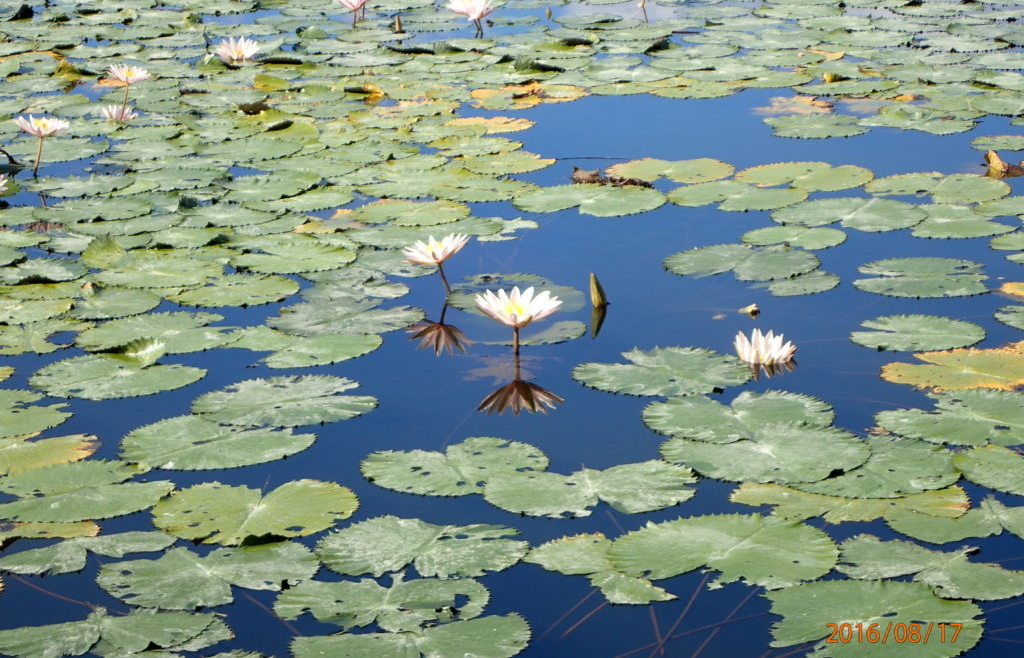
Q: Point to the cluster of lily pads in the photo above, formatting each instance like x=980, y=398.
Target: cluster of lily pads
x=302, y=179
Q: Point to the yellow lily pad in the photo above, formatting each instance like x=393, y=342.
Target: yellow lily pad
x=1000, y=368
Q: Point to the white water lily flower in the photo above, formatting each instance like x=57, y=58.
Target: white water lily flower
x=767, y=349
x=519, y=308
x=3, y=183
x=41, y=126
x=118, y=113
x=127, y=74
x=233, y=50
x=435, y=252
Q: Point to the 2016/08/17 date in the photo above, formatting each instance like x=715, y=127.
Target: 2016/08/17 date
x=899, y=633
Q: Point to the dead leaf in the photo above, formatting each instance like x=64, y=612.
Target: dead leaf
x=999, y=168
x=999, y=368
x=493, y=124
x=1013, y=288
x=795, y=105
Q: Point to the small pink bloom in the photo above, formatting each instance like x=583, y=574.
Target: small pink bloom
x=128, y=75
x=474, y=10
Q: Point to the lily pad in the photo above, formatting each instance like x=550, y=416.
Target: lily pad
x=215, y=513
x=434, y=550
x=923, y=277
x=462, y=469
x=287, y=401
x=917, y=332
x=194, y=443
x=664, y=371
x=758, y=550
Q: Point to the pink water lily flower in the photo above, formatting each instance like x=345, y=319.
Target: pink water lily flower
x=232, y=51
x=436, y=252
x=357, y=7
x=127, y=74
x=764, y=350
x=474, y=10
x=41, y=127
x=433, y=252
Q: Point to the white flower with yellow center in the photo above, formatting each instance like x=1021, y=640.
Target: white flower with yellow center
x=41, y=126
x=118, y=113
x=517, y=309
x=764, y=350
x=435, y=252
x=127, y=74
x=232, y=51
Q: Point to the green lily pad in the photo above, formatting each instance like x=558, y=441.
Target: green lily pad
x=776, y=452
x=954, y=188
x=434, y=550
x=951, y=575
x=917, y=332
x=872, y=215
x=287, y=401
x=104, y=377
x=747, y=263
x=758, y=550
x=700, y=418
x=214, y=513
x=629, y=488
x=181, y=580
x=462, y=469
x=406, y=606
x=807, y=610
x=70, y=555
x=77, y=491
x=992, y=466
x=194, y=443
x=664, y=371
x=923, y=277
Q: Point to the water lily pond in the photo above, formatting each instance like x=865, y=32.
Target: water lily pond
x=389, y=329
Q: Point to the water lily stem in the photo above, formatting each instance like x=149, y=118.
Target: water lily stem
x=515, y=347
x=39, y=157
x=479, y=29
x=515, y=359
x=444, y=279
x=124, y=102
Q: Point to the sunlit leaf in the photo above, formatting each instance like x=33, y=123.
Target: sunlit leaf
x=758, y=550
x=215, y=513
x=182, y=580
x=434, y=550
x=462, y=469
x=664, y=371
x=809, y=608
x=999, y=368
x=917, y=332
x=287, y=401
